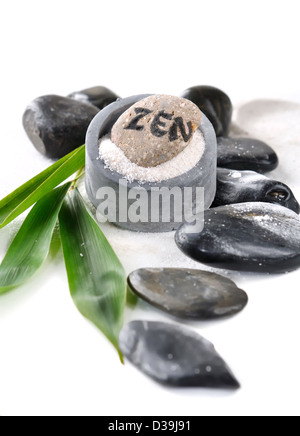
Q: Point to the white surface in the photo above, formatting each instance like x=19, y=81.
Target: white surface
x=52, y=361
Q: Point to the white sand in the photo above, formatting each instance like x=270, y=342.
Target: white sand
x=116, y=160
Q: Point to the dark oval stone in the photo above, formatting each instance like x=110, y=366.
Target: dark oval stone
x=98, y=96
x=214, y=103
x=175, y=356
x=257, y=237
x=246, y=154
x=57, y=125
x=248, y=186
x=188, y=293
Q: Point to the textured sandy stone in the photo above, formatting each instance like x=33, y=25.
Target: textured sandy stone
x=156, y=129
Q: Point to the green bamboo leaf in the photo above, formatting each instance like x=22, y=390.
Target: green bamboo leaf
x=96, y=277
x=26, y=195
x=31, y=245
x=131, y=298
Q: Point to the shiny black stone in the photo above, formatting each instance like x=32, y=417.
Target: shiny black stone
x=215, y=104
x=247, y=186
x=99, y=96
x=176, y=356
x=257, y=237
x=57, y=125
x=188, y=293
x=246, y=154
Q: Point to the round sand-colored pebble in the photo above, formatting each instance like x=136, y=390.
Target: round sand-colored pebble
x=156, y=129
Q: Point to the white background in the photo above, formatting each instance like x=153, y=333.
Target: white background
x=52, y=361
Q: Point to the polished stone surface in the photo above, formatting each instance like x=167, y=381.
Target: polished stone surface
x=156, y=129
x=188, y=293
x=99, y=96
x=215, y=104
x=57, y=125
x=248, y=186
x=246, y=154
x=256, y=237
x=175, y=356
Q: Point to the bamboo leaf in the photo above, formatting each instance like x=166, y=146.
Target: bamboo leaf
x=96, y=277
x=31, y=245
x=26, y=195
x=131, y=298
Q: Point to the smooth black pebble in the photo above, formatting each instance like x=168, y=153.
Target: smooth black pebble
x=248, y=186
x=188, y=293
x=256, y=237
x=57, y=125
x=99, y=96
x=246, y=154
x=176, y=356
x=214, y=103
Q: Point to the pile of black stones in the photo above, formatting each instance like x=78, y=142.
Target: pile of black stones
x=253, y=225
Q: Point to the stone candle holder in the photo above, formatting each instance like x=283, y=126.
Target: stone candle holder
x=203, y=174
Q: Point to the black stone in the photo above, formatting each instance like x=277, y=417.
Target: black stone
x=247, y=186
x=57, y=125
x=215, y=104
x=246, y=154
x=98, y=96
x=188, y=293
x=175, y=356
x=257, y=237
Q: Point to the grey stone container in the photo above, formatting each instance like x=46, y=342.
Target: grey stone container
x=99, y=176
